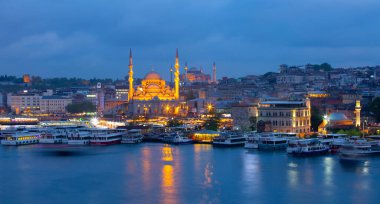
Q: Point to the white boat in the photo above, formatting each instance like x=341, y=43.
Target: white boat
x=133, y=136
x=53, y=137
x=229, y=139
x=176, y=138
x=107, y=138
x=79, y=138
x=21, y=138
x=272, y=143
x=334, y=141
x=306, y=147
x=252, y=142
x=353, y=151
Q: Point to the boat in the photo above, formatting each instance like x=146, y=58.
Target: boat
x=272, y=143
x=20, y=138
x=252, y=142
x=334, y=141
x=106, y=138
x=53, y=137
x=306, y=147
x=79, y=138
x=133, y=136
x=354, y=151
x=177, y=139
x=229, y=139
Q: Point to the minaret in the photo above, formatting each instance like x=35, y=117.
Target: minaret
x=214, y=73
x=358, y=108
x=131, y=89
x=186, y=68
x=176, y=76
x=171, y=75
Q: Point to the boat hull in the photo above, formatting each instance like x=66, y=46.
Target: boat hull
x=111, y=142
x=310, y=153
x=228, y=144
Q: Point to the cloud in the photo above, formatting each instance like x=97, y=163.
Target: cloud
x=85, y=38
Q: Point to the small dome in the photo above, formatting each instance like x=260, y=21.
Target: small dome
x=337, y=117
x=152, y=75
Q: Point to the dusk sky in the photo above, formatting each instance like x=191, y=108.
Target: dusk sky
x=92, y=38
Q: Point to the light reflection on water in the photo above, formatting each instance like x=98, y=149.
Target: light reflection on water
x=157, y=173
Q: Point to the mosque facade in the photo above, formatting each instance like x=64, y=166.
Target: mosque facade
x=154, y=97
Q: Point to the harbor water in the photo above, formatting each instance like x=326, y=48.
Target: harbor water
x=159, y=173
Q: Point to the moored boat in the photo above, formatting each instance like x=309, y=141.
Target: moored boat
x=133, y=136
x=306, y=147
x=20, y=138
x=177, y=139
x=79, y=138
x=106, y=138
x=229, y=139
x=272, y=143
x=53, y=137
x=353, y=151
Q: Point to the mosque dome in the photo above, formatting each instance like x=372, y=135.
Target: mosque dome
x=152, y=75
x=337, y=117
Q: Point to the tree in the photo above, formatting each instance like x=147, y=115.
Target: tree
x=253, y=123
x=316, y=118
x=374, y=108
x=81, y=107
x=212, y=123
x=174, y=123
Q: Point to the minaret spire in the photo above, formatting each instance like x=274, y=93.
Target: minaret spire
x=130, y=79
x=176, y=75
x=214, y=73
x=171, y=75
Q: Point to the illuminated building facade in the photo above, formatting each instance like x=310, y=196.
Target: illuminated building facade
x=153, y=97
x=286, y=116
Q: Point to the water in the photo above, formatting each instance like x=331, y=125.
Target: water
x=158, y=173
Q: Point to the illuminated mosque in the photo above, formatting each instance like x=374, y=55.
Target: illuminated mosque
x=153, y=97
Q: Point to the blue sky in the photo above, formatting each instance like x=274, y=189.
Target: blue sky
x=91, y=38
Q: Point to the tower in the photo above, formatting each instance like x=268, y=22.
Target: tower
x=358, y=108
x=171, y=75
x=214, y=73
x=186, y=68
x=176, y=76
x=130, y=79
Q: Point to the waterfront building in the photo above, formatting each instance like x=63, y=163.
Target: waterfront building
x=286, y=116
x=37, y=103
x=24, y=102
x=244, y=115
x=54, y=104
x=153, y=97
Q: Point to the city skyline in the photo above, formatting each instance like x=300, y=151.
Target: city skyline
x=93, y=40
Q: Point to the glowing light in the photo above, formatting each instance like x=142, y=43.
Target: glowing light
x=94, y=121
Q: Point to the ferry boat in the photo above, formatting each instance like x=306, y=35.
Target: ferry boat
x=79, y=138
x=306, y=147
x=21, y=138
x=353, y=151
x=134, y=136
x=272, y=143
x=334, y=141
x=252, y=142
x=229, y=139
x=53, y=137
x=177, y=139
x=106, y=138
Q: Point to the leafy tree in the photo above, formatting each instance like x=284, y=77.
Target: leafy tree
x=316, y=118
x=174, y=123
x=253, y=123
x=81, y=107
x=374, y=108
x=212, y=123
